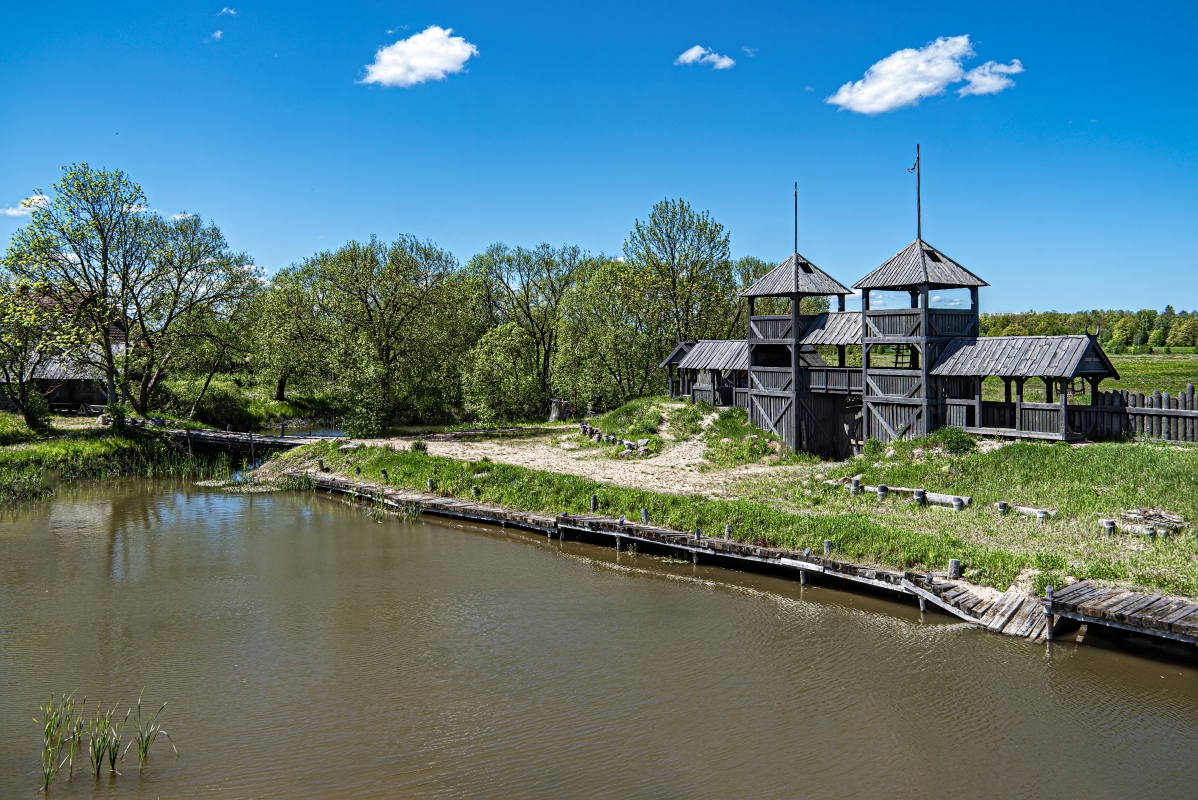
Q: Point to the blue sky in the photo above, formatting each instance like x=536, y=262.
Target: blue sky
x=1073, y=188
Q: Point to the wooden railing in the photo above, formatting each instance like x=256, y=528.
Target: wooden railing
x=951, y=322
x=899, y=323
x=771, y=379
x=778, y=327
x=740, y=398
x=839, y=380
x=702, y=394
x=894, y=383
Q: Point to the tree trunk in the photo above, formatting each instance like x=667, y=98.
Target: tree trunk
x=281, y=387
x=191, y=414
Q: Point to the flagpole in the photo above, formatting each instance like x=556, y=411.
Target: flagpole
x=918, y=198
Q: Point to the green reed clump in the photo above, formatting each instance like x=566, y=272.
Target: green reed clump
x=52, y=723
x=30, y=472
x=147, y=732
x=97, y=738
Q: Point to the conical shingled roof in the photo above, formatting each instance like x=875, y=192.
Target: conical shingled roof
x=795, y=275
x=916, y=264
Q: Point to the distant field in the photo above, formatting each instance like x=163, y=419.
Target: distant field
x=1137, y=373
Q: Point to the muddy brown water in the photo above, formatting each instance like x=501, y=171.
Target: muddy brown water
x=307, y=650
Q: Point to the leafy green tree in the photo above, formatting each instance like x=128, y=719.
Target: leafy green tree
x=87, y=247
x=1125, y=331
x=33, y=332
x=128, y=275
x=394, y=315
x=686, y=258
x=1184, y=333
x=292, y=335
x=530, y=288
x=616, y=335
x=1014, y=330
x=501, y=383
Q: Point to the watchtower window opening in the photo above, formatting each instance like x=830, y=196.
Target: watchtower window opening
x=881, y=300
x=949, y=298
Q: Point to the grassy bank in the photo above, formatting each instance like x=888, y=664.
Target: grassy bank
x=32, y=470
x=794, y=508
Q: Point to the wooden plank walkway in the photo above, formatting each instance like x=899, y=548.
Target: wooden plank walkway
x=1151, y=614
x=236, y=439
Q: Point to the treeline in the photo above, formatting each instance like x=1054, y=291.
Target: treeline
x=377, y=333
x=1117, y=330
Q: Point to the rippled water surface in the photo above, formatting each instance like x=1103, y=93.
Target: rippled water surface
x=309, y=651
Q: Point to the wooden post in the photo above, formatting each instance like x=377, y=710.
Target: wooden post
x=865, y=432
x=931, y=413
x=1064, y=407
x=1019, y=403
x=954, y=569
x=644, y=516
x=921, y=497
x=827, y=547
x=430, y=484
x=727, y=532
x=1047, y=390
x=797, y=431
x=594, y=503
x=977, y=402
x=841, y=358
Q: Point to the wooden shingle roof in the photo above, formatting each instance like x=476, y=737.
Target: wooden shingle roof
x=717, y=354
x=833, y=327
x=916, y=264
x=1025, y=357
x=676, y=355
x=795, y=275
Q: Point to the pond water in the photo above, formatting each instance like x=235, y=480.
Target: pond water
x=307, y=650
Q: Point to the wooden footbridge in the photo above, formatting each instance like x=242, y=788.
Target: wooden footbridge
x=1013, y=612
x=234, y=439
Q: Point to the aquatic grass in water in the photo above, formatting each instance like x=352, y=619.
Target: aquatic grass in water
x=147, y=732
x=30, y=472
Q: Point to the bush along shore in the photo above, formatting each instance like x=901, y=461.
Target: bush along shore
x=32, y=470
x=796, y=508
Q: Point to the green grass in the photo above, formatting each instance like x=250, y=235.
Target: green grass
x=733, y=440
x=685, y=419
x=13, y=430
x=32, y=470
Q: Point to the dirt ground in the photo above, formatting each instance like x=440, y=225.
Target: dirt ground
x=678, y=469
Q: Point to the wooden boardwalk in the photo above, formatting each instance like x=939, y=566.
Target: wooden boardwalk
x=237, y=439
x=1152, y=614
x=1012, y=613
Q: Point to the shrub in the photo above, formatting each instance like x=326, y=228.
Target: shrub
x=419, y=446
x=37, y=411
x=119, y=413
x=500, y=383
x=955, y=441
x=365, y=419
x=873, y=447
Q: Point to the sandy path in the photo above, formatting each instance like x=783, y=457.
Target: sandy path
x=674, y=471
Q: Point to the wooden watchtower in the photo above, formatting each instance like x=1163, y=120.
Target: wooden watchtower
x=901, y=398
x=779, y=401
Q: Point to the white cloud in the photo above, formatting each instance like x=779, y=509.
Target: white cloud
x=426, y=56
x=748, y=51
x=701, y=55
x=26, y=206
x=215, y=36
x=990, y=78
x=232, y=12
x=904, y=78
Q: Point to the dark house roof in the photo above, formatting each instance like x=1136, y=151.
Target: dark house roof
x=734, y=354
x=916, y=264
x=717, y=354
x=1025, y=357
x=676, y=355
x=834, y=327
x=795, y=275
